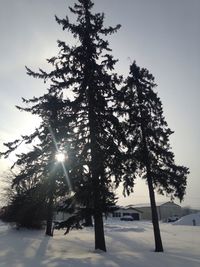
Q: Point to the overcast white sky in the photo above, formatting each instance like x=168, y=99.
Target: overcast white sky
x=163, y=36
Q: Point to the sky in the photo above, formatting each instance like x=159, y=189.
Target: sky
x=162, y=36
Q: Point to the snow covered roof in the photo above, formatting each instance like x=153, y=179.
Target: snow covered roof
x=146, y=205
x=127, y=207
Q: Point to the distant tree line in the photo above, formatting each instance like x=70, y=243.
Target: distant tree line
x=111, y=130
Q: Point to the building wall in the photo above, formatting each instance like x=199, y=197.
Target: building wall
x=61, y=216
x=146, y=213
x=164, y=211
x=169, y=209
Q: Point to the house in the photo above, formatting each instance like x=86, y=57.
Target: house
x=143, y=211
x=164, y=209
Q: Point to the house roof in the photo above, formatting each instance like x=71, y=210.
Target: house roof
x=147, y=205
x=127, y=207
x=133, y=208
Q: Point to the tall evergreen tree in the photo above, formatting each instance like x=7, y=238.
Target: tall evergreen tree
x=83, y=75
x=148, y=136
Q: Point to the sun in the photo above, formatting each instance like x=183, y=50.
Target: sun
x=60, y=157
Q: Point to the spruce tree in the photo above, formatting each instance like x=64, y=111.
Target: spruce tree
x=83, y=76
x=148, y=136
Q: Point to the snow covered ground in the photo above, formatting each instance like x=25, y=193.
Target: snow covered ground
x=129, y=244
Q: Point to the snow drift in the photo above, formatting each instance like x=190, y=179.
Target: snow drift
x=191, y=219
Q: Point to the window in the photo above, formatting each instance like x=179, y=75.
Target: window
x=117, y=214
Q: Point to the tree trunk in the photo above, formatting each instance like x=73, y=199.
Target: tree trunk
x=99, y=232
x=95, y=171
x=90, y=88
x=49, y=228
x=98, y=217
x=88, y=219
x=154, y=214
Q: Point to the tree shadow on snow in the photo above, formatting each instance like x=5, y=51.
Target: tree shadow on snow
x=25, y=248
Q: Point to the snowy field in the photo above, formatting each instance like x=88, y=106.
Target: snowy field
x=129, y=244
